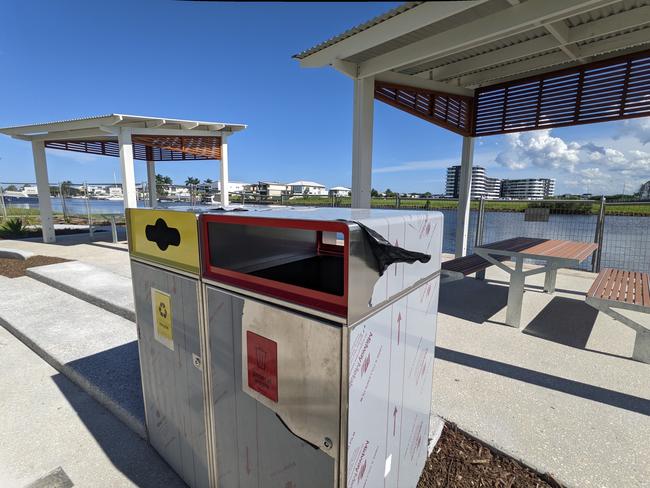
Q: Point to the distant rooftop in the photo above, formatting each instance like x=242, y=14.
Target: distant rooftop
x=306, y=183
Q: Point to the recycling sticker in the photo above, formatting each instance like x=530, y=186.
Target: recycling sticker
x=163, y=329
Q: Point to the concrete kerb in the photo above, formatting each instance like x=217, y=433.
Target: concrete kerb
x=9, y=253
x=99, y=287
x=134, y=423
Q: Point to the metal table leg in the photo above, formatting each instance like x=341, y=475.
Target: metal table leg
x=550, y=279
x=516, y=294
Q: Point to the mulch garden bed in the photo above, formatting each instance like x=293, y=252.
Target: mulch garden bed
x=14, y=268
x=458, y=461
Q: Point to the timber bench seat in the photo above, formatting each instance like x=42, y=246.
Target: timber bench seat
x=626, y=291
x=473, y=263
x=466, y=265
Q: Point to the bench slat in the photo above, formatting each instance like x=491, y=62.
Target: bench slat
x=630, y=287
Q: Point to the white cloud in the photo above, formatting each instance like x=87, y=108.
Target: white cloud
x=580, y=165
x=638, y=129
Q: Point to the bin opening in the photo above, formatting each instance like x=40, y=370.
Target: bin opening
x=309, y=258
x=320, y=272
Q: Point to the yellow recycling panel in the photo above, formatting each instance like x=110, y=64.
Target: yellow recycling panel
x=167, y=237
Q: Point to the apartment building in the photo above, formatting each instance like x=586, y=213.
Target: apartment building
x=528, y=188
x=482, y=185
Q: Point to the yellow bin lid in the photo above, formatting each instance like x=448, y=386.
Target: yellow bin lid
x=167, y=237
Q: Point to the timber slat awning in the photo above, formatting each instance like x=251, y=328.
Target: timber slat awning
x=609, y=90
x=452, y=112
x=149, y=148
x=615, y=89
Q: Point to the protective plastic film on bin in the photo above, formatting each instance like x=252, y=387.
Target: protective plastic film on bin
x=321, y=349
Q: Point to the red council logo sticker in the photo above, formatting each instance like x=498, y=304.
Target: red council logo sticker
x=262, y=361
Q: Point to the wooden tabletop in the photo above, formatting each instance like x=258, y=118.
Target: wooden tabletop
x=543, y=248
x=630, y=287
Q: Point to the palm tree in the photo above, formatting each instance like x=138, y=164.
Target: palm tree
x=191, y=180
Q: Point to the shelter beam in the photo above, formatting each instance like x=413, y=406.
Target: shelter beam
x=364, y=94
x=44, y=197
x=127, y=166
x=464, y=196
x=151, y=184
x=223, y=177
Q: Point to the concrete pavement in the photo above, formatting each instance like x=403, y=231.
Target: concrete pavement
x=561, y=394
x=96, y=349
x=100, y=252
x=92, y=284
x=49, y=423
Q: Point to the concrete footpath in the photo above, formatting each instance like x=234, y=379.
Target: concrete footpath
x=96, y=349
x=51, y=427
x=561, y=394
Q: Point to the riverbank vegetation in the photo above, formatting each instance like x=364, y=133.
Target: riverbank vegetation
x=555, y=206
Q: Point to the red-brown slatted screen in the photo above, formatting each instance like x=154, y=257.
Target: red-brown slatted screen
x=452, y=112
x=598, y=92
x=150, y=148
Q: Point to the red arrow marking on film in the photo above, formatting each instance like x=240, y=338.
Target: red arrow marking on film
x=399, y=322
x=394, y=420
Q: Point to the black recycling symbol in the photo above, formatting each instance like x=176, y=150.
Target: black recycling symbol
x=162, y=310
x=162, y=235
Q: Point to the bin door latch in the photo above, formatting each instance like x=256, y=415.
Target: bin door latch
x=196, y=361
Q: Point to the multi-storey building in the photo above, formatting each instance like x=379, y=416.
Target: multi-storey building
x=528, y=188
x=482, y=185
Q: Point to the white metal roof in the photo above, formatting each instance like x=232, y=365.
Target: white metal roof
x=86, y=125
x=340, y=188
x=461, y=45
x=305, y=183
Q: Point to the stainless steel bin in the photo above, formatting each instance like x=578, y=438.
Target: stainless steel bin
x=321, y=342
x=164, y=250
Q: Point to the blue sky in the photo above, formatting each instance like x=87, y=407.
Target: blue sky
x=232, y=62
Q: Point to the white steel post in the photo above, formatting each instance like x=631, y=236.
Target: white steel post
x=464, y=196
x=223, y=178
x=364, y=96
x=43, y=186
x=128, y=170
x=151, y=183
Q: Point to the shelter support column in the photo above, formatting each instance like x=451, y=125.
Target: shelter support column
x=464, y=196
x=151, y=184
x=128, y=170
x=364, y=97
x=43, y=186
x=223, y=177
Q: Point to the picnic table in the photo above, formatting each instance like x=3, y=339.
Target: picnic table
x=627, y=291
x=551, y=253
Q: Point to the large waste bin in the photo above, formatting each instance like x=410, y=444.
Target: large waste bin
x=321, y=335
x=164, y=250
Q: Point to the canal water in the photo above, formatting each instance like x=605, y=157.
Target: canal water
x=626, y=242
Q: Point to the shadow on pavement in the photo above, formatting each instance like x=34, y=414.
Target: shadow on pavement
x=565, y=321
x=115, y=373
x=583, y=390
x=128, y=452
x=472, y=300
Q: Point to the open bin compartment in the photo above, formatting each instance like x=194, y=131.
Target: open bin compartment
x=301, y=261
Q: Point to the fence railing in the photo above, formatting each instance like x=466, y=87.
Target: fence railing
x=622, y=229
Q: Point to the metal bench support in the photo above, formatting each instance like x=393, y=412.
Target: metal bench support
x=641, y=350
